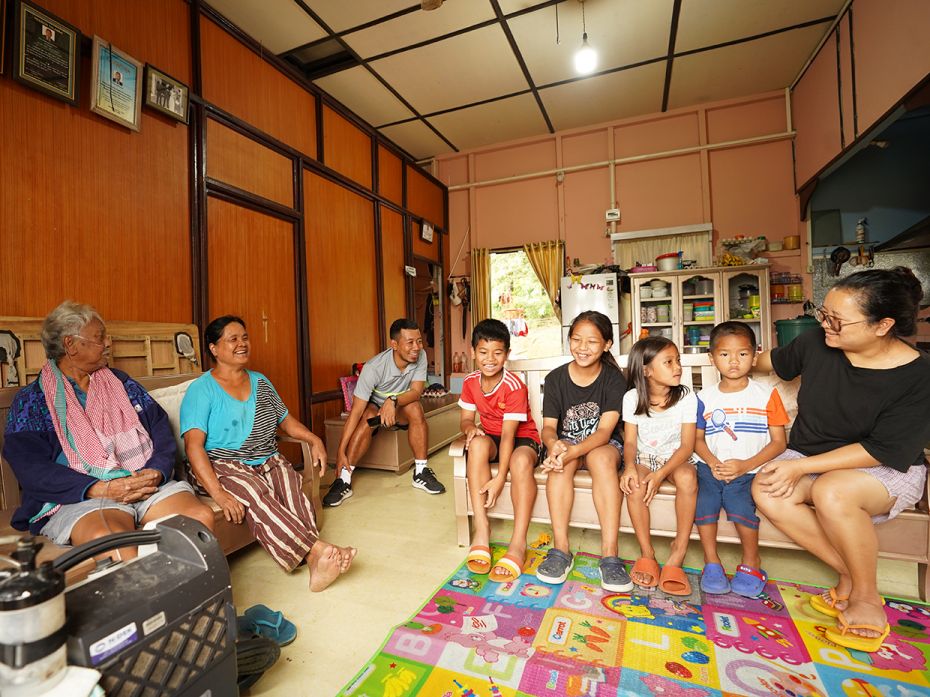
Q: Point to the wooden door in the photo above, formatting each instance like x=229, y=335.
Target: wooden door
x=251, y=268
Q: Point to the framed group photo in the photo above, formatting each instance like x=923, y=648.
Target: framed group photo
x=116, y=85
x=165, y=94
x=46, y=52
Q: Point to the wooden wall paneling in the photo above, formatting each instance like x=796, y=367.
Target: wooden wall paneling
x=346, y=147
x=392, y=261
x=239, y=81
x=422, y=248
x=251, y=262
x=424, y=198
x=342, y=296
x=244, y=163
x=320, y=411
x=816, y=115
x=390, y=176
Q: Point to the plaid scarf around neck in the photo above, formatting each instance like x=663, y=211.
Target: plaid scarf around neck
x=106, y=439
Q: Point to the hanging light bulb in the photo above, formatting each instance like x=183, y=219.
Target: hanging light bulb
x=585, y=57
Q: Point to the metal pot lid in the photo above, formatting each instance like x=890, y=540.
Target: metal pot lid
x=22, y=589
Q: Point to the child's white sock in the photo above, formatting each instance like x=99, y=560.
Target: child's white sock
x=418, y=466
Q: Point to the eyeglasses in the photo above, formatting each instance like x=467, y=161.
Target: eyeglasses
x=834, y=322
x=91, y=341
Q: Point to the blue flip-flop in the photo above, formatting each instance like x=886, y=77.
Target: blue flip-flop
x=269, y=623
x=714, y=580
x=748, y=581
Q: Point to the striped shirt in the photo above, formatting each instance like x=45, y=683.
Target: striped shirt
x=236, y=430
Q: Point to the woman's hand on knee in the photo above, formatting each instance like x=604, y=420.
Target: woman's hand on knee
x=779, y=478
x=233, y=511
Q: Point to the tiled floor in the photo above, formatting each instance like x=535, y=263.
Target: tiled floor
x=406, y=543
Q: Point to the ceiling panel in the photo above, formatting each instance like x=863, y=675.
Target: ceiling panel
x=507, y=119
x=622, y=32
x=509, y=6
x=454, y=72
x=742, y=69
x=416, y=138
x=711, y=22
x=345, y=14
x=279, y=25
x=418, y=26
x=606, y=97
x=359, y=90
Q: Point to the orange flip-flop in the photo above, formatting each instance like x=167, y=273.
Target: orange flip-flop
x=508, y=568
x=674, y=581
x=646, y=567
x=827, y=607
x=478, y=560
x=839, y=635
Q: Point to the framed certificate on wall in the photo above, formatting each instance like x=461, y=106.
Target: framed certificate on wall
x=46, y=52
x=115, y=85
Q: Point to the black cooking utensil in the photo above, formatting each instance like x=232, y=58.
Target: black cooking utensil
x=838, y=257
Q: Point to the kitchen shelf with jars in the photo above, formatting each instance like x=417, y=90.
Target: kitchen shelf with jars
x=685, y=305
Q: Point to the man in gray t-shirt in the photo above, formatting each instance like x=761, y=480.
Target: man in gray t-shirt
x=387, y=395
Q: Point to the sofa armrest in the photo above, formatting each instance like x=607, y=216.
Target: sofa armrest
x=311, y=477
x=457, y=449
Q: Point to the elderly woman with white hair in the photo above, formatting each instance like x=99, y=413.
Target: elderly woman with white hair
x=92, y=451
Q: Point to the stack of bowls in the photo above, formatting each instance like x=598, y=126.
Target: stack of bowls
x=659, y=289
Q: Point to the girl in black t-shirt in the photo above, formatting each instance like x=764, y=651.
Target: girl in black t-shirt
x=858, y=440
x=581, y=426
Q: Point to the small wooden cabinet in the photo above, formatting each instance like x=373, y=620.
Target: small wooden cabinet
x=685, y=305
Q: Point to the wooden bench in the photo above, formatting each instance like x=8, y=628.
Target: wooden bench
x=145, y=351
x=389, y=449
x=906, y=538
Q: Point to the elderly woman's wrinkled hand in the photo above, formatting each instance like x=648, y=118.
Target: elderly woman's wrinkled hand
x=132, y=489
x=780, y=477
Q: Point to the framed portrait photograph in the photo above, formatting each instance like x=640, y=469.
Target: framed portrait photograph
x=426, y=231
x=46, y=52
x=115, y=85
x=165, y=94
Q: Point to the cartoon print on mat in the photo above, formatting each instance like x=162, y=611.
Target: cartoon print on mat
x=761, y=677
x=670, y=653
x=765, y=635
x=843, y=683
x=583, y=637
x=549, y=675
x=390, y=676
x=526, y=591
x=910, y=622
x=660, y=610
x=582, y=596
x=633, y=682
x=772, y=602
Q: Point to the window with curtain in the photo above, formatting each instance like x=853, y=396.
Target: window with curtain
x=519, y=300
x=644, y=246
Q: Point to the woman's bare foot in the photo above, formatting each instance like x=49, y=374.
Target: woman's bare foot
x=346, y=555
x=870, y=612
x=324, y=564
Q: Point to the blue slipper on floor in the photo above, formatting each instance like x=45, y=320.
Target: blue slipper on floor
x=749, y=582
x=268, y=623
x=714, y=580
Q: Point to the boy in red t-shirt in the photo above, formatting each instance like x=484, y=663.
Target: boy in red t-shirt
x=507, y=435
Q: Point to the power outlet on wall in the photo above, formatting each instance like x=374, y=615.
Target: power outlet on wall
x=613, y=215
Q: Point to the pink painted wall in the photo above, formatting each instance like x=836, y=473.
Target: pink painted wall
x=743, y=188
x=889, y=55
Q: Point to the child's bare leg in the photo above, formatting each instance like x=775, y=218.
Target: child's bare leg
x=685, y=480
x=602, y=464
x=523, y=496
x=639, y=515
x=749, y=538
x=560, y=495
x=478, y=472
x=708, y=534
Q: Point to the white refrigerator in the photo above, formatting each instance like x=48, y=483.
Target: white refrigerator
x=591, y=292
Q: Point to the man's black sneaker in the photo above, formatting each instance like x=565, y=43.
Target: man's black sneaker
x=337, y=493
x=427, y=481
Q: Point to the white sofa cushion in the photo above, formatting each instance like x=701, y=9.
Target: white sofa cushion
x=170, y=398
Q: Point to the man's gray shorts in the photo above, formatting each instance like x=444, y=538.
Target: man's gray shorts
x=59, y=526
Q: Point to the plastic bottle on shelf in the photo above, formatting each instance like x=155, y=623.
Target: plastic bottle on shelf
x=456, y=363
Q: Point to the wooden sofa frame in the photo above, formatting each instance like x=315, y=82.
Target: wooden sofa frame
x=906, y=538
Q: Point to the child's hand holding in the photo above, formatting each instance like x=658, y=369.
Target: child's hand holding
x=629, y=480
x=651, y=481
x=493, y=489
x=470, y=433
x=554, y=460
x=728, y=470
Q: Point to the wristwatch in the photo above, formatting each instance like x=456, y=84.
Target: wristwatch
x=393, y=398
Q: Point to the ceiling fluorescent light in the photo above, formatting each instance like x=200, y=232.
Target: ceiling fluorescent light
x=585, y=57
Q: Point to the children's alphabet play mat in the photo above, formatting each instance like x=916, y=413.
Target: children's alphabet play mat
x=478, y=638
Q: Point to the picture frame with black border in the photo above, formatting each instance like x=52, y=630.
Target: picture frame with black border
x=46, y=52
x=165, y=94
x=426, y=231
x=115, y=85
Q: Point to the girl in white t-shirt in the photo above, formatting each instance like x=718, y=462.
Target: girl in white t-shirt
x=659, y=414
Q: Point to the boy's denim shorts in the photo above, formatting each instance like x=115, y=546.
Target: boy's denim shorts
x=734, y=497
